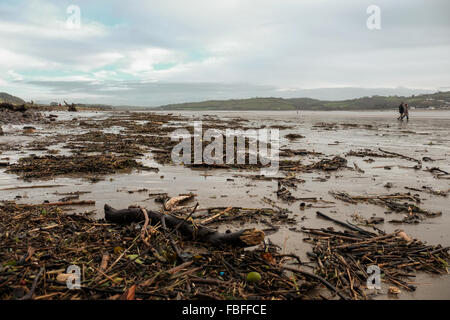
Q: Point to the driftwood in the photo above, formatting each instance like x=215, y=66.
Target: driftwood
x=400, y=155
x=242, y=238
x=70, y=107
x=62, y=203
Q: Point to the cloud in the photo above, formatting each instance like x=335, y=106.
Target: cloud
x=15, y=76
x=220, y=48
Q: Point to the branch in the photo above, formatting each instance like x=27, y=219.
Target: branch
x=242, y=238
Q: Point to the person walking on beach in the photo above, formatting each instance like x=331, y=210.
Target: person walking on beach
x=405, y=112
x=401, y=110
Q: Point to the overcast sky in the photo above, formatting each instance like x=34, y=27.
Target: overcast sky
x=157, y=52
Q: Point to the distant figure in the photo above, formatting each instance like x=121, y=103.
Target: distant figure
x=405, y=112
x=401, y=110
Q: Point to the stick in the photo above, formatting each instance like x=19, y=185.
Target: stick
x=374, y=239
x=210, y=219
x=319, y=278
x=144, y=228
x=29, y=295
x=186, y=219
x=242, y=238
x=400, y=155
x=66, y=203
x=345, y=225
x=33, y=187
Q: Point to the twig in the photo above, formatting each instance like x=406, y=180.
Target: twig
x=29, y=295
x=144, y=228
x=319, y=278
x=212, y=218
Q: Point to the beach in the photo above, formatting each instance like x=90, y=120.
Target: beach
x=383, y=157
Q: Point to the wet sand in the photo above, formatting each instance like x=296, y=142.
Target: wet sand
x=427, y=134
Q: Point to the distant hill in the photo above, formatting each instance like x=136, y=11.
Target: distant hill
x=7, y=98
x=434, y=100
x=235, y=104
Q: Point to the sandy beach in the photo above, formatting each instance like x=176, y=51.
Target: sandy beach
x=325, y=135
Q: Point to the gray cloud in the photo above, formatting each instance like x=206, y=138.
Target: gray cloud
x=156, y=52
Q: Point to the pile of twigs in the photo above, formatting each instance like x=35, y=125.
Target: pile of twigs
x=39, y=243
x=50, y=166
x=343, y=258
x=395, y=202
x=325, y=164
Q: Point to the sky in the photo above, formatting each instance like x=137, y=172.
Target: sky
x=149, y=53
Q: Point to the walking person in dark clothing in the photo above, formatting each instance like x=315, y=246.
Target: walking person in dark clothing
x=405, y=112
x=401, y=110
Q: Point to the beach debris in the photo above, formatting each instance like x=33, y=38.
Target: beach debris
x=357, y=168
x=332, y=164
x=343, y=257
x=116, y=263
x=391, y=201
x=244, y=215
x=443, y=193
x=388, y=185
x=49, y=166
x=63, y=203
x=400, y=155
x=28, y=129
x=16, y=114
x=368, y=222
x=284, y=152
x=284, y=194
x=368, y=153
x=394, y=290
x=293, y=136
x=242, y=238
x=438, y=173
x=253, y=277
x=70, y=107
x=172, y=203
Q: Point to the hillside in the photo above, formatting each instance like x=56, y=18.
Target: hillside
x=7, y=98
x=435, y=100
x=235, y=104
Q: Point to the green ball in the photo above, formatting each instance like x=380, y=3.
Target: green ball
x=253, y=277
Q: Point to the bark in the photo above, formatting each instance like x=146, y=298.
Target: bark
x=242, y=238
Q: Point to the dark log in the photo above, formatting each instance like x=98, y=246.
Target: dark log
x=242, y=238
x=71, y=107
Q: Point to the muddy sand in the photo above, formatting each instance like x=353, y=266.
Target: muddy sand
x=388, y=175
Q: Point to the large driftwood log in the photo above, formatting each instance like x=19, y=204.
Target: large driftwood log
x=70, y=107
x=242, y=238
